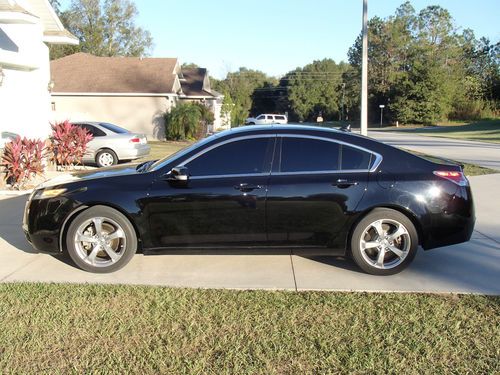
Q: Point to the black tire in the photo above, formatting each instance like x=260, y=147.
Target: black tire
x=251, y=123
x=92, y=256
x=393, y=254
x=106, y=158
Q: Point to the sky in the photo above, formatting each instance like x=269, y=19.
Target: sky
x=276, y=36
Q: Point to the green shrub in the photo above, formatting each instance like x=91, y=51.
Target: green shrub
x=187, y=121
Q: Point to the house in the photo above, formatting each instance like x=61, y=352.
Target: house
x=25, y=28
x=131, y=92
x=195, y=84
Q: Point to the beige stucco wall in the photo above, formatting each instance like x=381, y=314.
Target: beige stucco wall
x=141, y=114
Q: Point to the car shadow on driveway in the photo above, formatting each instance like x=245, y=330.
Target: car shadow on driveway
x=11, y=218
x=11, y=231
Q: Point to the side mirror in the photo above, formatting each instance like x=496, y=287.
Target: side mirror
x=179, y=176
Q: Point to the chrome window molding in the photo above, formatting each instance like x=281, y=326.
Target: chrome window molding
x=230, y=176
x=376, y=163
x=336, y=171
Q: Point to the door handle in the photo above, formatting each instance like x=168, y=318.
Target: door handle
x=247, y=187
x=342, y=183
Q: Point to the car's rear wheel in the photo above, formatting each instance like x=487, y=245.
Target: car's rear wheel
x=101, y=240
x=251, y=123
x=384, y=242
x=106, y=158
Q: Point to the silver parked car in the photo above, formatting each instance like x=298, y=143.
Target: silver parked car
x=6, y=137
x=113, y=144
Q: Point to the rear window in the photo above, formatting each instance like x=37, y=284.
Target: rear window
x=113, y=128
x=354, y=159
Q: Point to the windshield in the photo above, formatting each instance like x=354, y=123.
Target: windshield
x=167, y=159
x=113, y=128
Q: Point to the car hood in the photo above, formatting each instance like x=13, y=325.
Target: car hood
x=118, y=170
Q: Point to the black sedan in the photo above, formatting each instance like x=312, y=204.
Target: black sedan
x=268, y=187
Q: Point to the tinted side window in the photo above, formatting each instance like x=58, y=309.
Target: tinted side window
x=353, y=158
x=92, y=130
x=261, y=117
x=114, y=128
x=240, y=157
x=280, y=117
x=270, y=118
x=307, y=155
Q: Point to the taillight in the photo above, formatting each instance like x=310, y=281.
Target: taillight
x=454, y=176
x=135, y=140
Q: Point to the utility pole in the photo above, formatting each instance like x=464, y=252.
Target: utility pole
x=364, y=72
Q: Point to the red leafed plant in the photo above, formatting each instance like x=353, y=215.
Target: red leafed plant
x=68, y=143
x=23, y=159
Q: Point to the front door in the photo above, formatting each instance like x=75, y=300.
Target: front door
x=313, y=189
x=223, y=202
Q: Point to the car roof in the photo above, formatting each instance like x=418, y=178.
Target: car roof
x=278, y=127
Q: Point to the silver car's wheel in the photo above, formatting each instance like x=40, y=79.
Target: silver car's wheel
x=101, y=239
x=106, y=158
x=384, y=242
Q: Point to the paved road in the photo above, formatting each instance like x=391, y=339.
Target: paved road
x=480, y=153
x=473, y=267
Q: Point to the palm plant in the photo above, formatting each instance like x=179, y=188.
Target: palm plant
x=183, y=122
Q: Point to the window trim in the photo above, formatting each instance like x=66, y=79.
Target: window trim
x=210, y=148
x=376, y=163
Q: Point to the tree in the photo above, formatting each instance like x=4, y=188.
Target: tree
x=189, y=66
x=422, y=70
x=104, y=28
x=240, y=86
x=226, y=108
x=187, y=121
x=316, y=88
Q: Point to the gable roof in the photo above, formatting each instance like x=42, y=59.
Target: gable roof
x=196, y=83
x=85, y=73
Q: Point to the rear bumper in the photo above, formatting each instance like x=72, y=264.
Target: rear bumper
x=135, y=152
x=453, y=225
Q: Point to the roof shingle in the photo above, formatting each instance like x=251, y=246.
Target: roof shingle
x=85, y=73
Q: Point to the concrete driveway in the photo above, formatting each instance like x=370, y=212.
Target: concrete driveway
x=473, y=267
x=480, y=153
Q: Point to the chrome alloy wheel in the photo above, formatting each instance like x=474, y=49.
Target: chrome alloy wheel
x=106, y=159
x=100, y=241
x=385, y=243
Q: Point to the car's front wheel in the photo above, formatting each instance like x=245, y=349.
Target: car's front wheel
x=106, y=158
x=101, y=240
x=384, y=242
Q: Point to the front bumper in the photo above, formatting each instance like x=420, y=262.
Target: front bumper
x=43, y=220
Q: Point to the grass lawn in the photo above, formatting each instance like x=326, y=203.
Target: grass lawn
x=161, y=149
x=58, y=328
x=485, y=130
x=476, y=170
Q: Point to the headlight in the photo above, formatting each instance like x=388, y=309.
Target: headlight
x=48, y=193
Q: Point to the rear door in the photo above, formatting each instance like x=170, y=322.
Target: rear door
x=316, y=183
